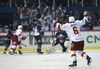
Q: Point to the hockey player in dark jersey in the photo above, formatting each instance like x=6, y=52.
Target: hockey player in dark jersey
x=38, y=33
x=61, y=37
x=11, y=29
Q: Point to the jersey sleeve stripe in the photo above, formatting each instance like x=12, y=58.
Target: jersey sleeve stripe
x=19, y=34
x=85, y=21
x=59, y=27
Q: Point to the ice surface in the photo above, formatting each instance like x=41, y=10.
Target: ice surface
x=57, y=60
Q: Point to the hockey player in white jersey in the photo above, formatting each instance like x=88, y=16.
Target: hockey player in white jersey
x=73, y=30
x=16, y=40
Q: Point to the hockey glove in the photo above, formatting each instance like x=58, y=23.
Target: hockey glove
x=40, y=34
x=85, y=13
x=23, y=38
x=54, y=22
x=53, y=40
x=66, y=43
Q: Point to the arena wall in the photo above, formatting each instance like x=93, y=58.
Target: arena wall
x=91, y=38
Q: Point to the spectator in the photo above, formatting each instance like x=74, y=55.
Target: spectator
x=46, y=25
x=76, y=15
x=64, y=10
x=43, y=8
x=67, y=16
x=98, y=19
x=71, y=13
x=94, y=20
x=20, y=11
x=24, y=21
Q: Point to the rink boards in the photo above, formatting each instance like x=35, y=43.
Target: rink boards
x=91, y=38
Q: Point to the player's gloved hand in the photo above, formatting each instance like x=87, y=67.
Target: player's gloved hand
x=53, y=40
x=85, y=13
x=86, y=16
x=23, y=38
x=54, y=21
x=40, y=34
x=66, y=43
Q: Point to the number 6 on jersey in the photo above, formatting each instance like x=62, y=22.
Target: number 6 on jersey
x=75, y=30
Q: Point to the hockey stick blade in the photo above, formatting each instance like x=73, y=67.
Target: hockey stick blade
x=53, y=49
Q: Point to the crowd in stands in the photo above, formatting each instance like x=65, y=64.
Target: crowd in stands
x=28, y=16
x=45, y=15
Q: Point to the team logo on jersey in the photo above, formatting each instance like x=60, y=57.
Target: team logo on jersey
x=71, y=45
x=39, y=40
x=14, y=42
x=75, y=39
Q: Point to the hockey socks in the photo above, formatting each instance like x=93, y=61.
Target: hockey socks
x=6, y=48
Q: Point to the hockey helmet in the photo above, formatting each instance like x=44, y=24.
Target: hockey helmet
x=20, y=27
x=71, y=19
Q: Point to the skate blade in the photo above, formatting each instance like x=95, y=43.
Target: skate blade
x=74, y=67
x=90, y=62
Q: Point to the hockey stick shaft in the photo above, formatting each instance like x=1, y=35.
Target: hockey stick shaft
x=24, y=44
x=27, y=35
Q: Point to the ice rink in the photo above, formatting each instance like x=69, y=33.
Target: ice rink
x=57, y=60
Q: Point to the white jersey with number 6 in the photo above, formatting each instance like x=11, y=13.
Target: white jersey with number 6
x=73, y=29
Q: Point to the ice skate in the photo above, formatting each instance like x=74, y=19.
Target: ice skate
x=74, y=64
x=89, y=60
x=15, y=52
x=20, y=52
x=4, y=52
x=39, y=51
x=11, y=53
x=64, y=50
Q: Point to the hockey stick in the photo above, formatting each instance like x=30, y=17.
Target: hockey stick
x=53, y=49
x=24, y=44
x=58, y=46
x=26, y=37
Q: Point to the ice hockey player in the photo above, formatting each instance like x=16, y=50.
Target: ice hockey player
x=16, y=40
x=73, y=30
x=38, y=33
x=61, y=37
x=11, y=29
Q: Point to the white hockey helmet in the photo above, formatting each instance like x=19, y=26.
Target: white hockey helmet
x=20, y=27
x=71, y=19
